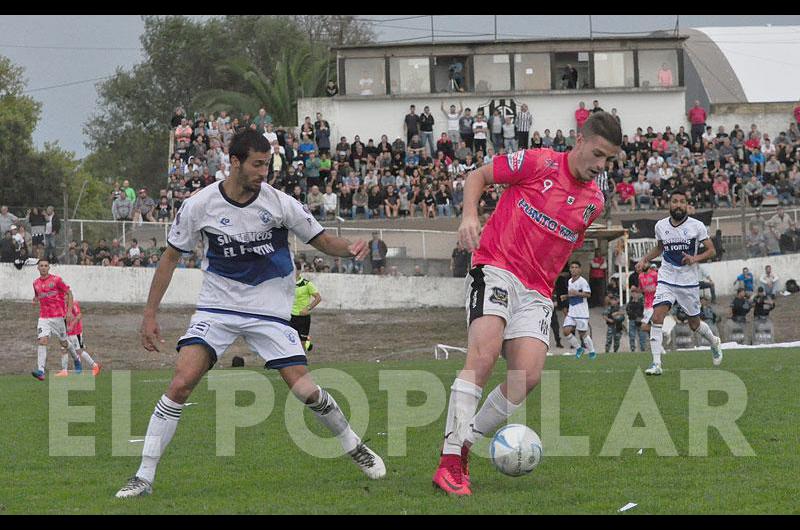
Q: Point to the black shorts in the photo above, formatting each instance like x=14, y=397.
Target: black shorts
x=378, y=263
x=302, y=324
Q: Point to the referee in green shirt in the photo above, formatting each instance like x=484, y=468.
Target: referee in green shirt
x=306, y=298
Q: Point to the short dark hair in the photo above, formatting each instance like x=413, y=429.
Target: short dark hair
x=604, y=125
x=576, y=262
x=677, y=191
x=43, y=259
x=245, y=142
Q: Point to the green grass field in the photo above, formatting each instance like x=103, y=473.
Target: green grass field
x=269, y=474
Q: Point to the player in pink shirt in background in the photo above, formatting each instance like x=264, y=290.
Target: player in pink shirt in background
x=541, y=218
x=75, y=337
x=53, y=296
x=648, y=281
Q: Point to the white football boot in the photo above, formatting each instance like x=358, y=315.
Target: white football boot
x=370, y=463
x=136, y=487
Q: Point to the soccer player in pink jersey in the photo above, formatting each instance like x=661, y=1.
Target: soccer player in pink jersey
x=53, y=296
x=75, y=337
x=648, y=281
x=550, y=201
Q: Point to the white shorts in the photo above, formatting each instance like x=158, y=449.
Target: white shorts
x=273, y=339
x=687, y=297
x=493, y=291
x=76, y=341
x=648, y=314
x=52, y=326
x=580, y=324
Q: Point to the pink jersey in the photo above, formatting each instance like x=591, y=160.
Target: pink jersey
x=648, y=283
x=77, y=325
x=51, y=292
x=540, y=219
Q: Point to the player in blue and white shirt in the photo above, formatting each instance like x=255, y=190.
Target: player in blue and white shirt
x=578, y=294
x=248, y=291
x=679, y=238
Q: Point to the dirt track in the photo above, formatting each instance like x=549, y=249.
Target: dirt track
x=111, y=334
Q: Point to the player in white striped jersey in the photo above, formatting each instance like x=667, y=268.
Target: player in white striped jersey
x=679, y=238
x=578, y=294
x=248, y=291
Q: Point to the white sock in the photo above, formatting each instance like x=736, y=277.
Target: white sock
x=573, y=341
x=330, y=415
x=162, y=427
x=464, y=398
x=41, y=354
x=64, y=361
x=494, y=411
x=88, y=358
x=705, y=331
x=588, y=341
x=656, y=347
x=71, y=350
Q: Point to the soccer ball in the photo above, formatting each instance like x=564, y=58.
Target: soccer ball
x=515, y=450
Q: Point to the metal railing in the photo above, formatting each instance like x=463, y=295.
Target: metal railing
x=94, y=230
x=402, y=242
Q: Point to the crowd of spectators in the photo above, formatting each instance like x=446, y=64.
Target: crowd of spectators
x=421, y=175
x=33, y=235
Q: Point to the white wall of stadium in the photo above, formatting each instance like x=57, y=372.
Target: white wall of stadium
x=131, y=286
x=372, y=117
x=339, y=291
x=771, y=118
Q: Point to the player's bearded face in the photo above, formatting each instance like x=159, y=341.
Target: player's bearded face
x=677, y=210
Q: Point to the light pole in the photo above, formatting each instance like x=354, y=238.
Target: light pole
x=65, y=185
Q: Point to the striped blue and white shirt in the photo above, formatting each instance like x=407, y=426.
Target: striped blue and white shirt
x=247, y=264
x=677, y=240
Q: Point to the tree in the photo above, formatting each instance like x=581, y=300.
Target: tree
x=299, y=71
x=19, y=115
x=206, y=65
x=29, y=177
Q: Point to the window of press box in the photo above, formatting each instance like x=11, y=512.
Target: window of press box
x=532, y=71
x=410, y=75
x=452, y=73
x=365, y=77
x=658, y=68
x=571, y=71
x=613, y=69
x=492, y=72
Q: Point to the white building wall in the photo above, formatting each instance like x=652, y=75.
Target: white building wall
x=339, y=291
x=370, y=118
x=131, y=286
x=770, y=122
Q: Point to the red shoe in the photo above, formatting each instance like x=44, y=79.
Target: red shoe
x=465, y=466
x=96, y=369
x=448, y=477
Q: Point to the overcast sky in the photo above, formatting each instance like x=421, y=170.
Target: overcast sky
x=62, y=54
